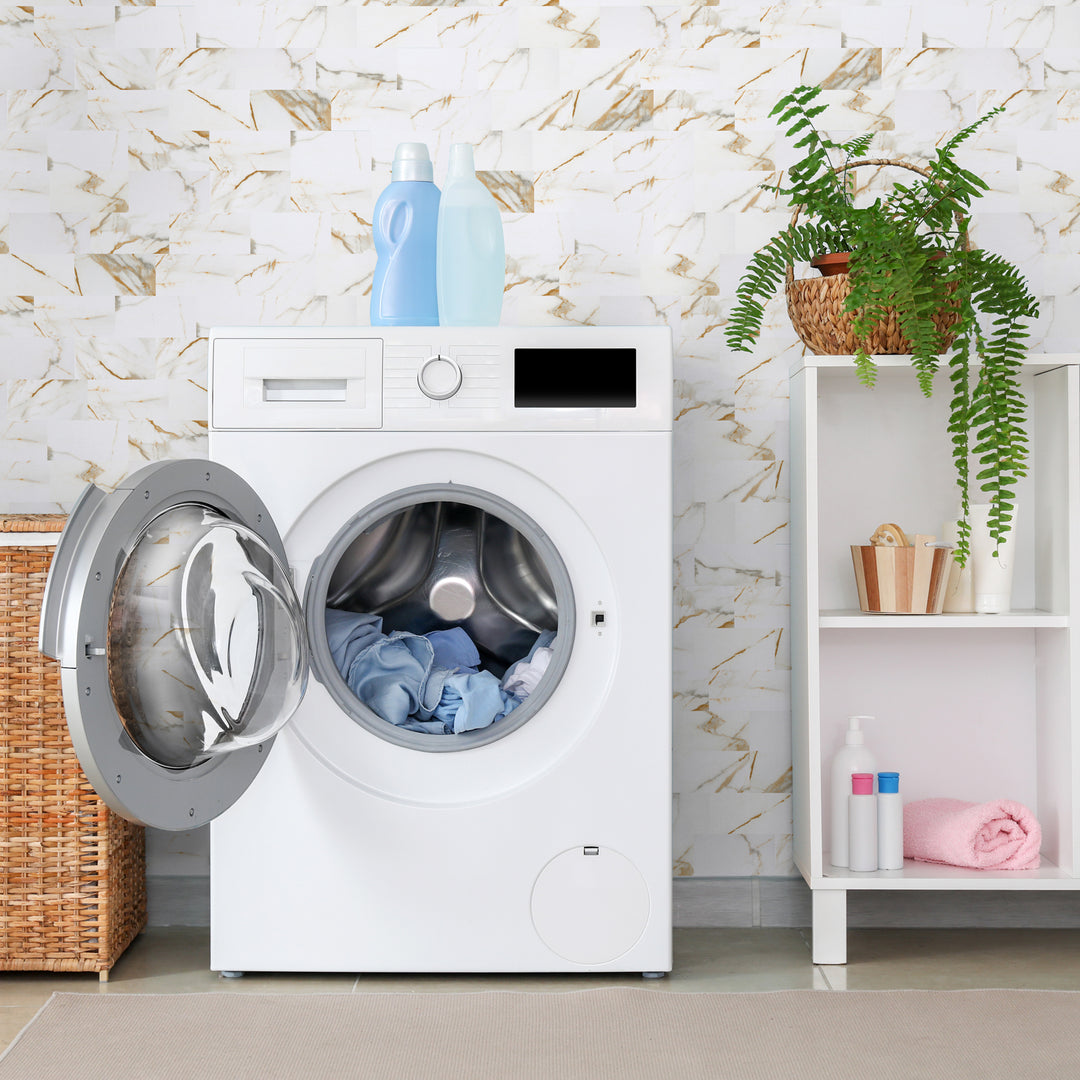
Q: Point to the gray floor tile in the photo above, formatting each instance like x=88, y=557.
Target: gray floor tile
x=967, y=959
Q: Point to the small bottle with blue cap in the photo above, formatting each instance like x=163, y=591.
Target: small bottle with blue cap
x=890, y=822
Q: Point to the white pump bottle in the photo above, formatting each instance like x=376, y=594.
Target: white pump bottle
x=853, y=757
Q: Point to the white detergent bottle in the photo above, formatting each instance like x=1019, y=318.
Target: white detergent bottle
x=853, y=757
x=470, y=256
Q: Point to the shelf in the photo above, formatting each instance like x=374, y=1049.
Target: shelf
x=931, y=876
x=887, y=366
x=974, y=714
x=1012, y=620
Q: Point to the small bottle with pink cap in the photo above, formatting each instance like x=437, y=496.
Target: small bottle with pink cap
x=862, y=823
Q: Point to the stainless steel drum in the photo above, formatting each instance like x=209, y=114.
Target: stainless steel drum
x=434, y=565
x=438, y=556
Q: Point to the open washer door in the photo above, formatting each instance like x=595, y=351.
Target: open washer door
x=181, y=640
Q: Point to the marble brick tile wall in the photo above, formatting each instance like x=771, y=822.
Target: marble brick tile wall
x=168, y=167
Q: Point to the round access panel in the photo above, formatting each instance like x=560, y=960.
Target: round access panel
x=590, y=905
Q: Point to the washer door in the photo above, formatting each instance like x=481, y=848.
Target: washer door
x=181, y=640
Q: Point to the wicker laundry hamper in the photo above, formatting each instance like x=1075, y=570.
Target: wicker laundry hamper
x=816, y=307
x=72, y=871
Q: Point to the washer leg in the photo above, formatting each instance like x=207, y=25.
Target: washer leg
x=829, y=926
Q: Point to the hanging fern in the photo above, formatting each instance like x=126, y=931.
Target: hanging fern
x=909, y=252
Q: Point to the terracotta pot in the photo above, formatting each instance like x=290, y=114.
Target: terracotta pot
x=835, y=262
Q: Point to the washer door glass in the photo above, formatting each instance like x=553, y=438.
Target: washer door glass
x=205, y=651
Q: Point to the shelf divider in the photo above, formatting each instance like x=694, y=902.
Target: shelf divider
x=934, y=876
x=1013, y=620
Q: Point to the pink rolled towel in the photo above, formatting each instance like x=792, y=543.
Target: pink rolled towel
x=999, y=835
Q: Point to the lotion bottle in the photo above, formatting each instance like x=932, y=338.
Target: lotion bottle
x=854, y=756
x=404, y=227
x=890, y=822
x=471, y=255
x=862, y=823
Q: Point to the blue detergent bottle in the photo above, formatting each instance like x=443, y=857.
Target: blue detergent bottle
x=404, y=225
x=471, y=257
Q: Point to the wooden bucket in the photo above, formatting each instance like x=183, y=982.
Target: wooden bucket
x=902, y=580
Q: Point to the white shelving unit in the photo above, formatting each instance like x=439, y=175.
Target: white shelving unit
x=977, y=707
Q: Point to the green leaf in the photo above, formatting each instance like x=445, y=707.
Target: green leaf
x=891, y=241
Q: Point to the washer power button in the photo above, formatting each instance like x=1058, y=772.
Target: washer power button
x=439, y=377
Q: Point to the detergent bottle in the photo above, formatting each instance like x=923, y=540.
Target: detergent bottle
x=404, y=225
x=471, y=256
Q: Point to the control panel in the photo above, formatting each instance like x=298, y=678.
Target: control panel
x=573, y=378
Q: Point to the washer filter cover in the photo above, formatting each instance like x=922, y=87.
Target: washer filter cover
x=590, y=905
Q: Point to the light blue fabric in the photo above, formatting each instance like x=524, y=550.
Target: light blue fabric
x=396, y=677
x=348, y=633
x=471, y=701
x=429, y=683
x=454, y=649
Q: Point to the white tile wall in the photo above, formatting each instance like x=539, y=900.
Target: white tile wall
x=166, y=168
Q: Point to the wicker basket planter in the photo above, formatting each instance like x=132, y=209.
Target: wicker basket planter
x=816, y=309
x=72, y=871
x=816, y=306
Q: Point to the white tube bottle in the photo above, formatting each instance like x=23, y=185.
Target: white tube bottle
x=862, y=823
x=890, y=822
x=852, y=757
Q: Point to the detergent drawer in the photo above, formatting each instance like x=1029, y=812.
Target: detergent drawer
x=318, y=383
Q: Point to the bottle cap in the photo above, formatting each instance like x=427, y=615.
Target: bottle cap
x=461, y=160
x=854, y=735
x=411, y=162
x=862, y=783
x=888, y=783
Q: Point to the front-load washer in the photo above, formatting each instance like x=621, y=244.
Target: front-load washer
x=405, y=640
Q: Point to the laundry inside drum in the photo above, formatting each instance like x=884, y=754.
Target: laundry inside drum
x=442, y=617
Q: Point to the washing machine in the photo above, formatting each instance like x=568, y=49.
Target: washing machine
x=404, y=640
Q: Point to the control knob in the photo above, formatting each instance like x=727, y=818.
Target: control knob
x=439, y=377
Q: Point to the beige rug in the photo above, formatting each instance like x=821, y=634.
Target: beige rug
x=608, y=1034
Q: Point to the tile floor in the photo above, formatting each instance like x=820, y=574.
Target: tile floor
x=175, y=959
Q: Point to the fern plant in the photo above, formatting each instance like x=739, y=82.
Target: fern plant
x=909, y=251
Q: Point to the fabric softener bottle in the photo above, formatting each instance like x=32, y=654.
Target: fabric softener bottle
x=405, y=223
x=471, y=257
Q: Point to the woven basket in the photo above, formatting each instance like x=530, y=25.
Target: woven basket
x=816, y=307
x=73, y=872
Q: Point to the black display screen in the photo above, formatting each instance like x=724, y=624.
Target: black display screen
x=575, y=378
